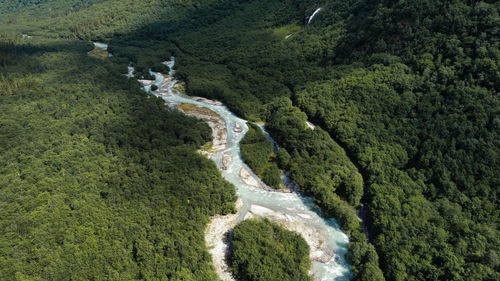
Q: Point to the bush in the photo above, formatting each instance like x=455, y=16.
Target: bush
x=264, y=251
x=271, y=176
x=257, y=152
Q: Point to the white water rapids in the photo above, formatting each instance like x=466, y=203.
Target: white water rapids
x=294, y=208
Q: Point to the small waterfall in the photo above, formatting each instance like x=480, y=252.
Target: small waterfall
x=314, y=14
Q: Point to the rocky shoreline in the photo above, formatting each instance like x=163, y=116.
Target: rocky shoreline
x=319, y=251
x=218, y=126
x=218, y=240
x=218, y=231
x=217, y=234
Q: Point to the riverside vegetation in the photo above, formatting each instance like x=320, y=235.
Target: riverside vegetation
x=409, y=89
x=257, y=151
x=264, y=251
x=98, y=180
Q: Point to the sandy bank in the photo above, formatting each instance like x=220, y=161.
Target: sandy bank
x=248, y=178
x=218, y=126
x=205, y=100
x=217, y=239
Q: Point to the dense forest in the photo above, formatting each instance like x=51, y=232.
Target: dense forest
x=98, y=180
x=404, y=95
x=258, y=152
x=265, y=251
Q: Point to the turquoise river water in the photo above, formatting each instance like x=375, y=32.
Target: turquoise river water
x=290, y=206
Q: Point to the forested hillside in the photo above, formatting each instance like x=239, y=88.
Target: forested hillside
x=404, y=95
x=98, y=180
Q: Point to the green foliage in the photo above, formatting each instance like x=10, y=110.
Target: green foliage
x=408, y=88
x=271, y=175
x=318, y=165
x=415, y=129
x=283, y=158
x=97, y=179
x=257, y=152
x=286, y=30
x=98, y=53
x=264, y=251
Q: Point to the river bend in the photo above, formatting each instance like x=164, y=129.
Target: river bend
x=292, y=207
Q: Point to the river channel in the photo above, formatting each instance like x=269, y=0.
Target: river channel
x=299, y=211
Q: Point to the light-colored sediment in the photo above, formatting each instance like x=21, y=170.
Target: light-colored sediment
x=217, y=239
x=217, y=233
x=205, y=100
x=146, y=83
x=248, y=179
x=218, y=126
x=218, y=230
x=180, y=87
x=163, y=89
x=226, y=161
x=315, y=239
x=217, y=236
x=252, y=180
x=310, y=125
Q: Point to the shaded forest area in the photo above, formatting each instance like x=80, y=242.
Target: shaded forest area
x=408, y=88
x=97, y=179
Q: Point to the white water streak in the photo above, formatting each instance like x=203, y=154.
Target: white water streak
x=314, y=14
